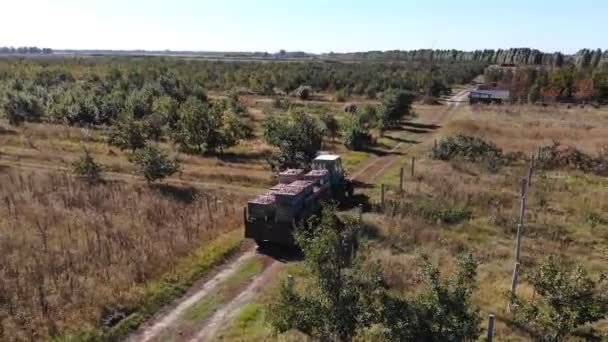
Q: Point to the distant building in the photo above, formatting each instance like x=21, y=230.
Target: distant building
x=489, y=96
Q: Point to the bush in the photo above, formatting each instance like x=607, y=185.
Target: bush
x=303, y=92
x=567, y=300
x=86, y=167
x=471, y=149
x=153, y=163
x=556, y=156
x=351, y=108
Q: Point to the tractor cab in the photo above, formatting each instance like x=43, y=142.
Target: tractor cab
x=331, y=163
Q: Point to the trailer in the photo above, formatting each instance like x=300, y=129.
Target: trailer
x=272, y=216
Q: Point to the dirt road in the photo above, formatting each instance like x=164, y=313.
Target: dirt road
x=150, y=331
x=207, y=328
x=376, y=167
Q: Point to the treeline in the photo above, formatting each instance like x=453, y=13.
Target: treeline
x=98, y=91
x=566, y=84
x=500, y=56
x=519, y=56
x=9, y=50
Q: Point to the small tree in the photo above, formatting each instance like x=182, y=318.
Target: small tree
x=331, y=125
x=355, y=134
x=166, y=107
x=85, y=166
x=445, y=311
x=347, y=295
x=535, y=93
x=396, y=105
x=128, y=133
x=207, y=128
x=338, y=302
x=568, y=299
x=298, y=138
x=235, y=104
x=154, y=163
x=371, y=92
x=20, y=107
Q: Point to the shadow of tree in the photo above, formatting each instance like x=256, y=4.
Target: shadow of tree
x=420, y=125
x=178, y=193
x=232, y=157
x=402, y=140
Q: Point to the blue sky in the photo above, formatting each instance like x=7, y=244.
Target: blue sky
x=307, y=25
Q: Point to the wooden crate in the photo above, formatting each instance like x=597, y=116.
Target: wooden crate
x=290, y=176
x=262, y=206
x=317, y=176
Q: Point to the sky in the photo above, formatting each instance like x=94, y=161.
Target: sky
x=305, y=25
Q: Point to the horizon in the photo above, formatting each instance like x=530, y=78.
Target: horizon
x=314, y=27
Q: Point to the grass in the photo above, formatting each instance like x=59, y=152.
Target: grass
x=171, y=286
x=204, y=308
x=187, y=323
x=50, y=145
x=562, y=211
x=101, y=258
x=249, y=324
x=246, y=271
x=353, y=159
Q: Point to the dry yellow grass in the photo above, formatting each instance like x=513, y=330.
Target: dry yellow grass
x=560, y=204
x=56, y=146
x=72, y=252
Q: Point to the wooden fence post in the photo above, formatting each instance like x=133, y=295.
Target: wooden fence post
x=530, y=172
x=360, y=213
x=401, y=180
x=413, y=166
x=491, y=319
x=514, y=280
x=520, y=224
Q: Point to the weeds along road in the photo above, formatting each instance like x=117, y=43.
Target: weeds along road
x=175, y=323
